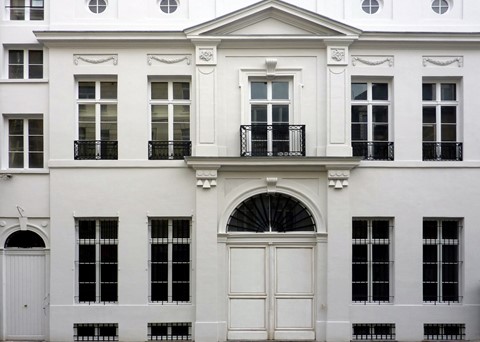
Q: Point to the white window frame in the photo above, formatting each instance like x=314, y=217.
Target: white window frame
x=28, y=7
x=170, y=241
x=369, y=242
x=26, y=64
x=168, y=8
x=269, y=102
x=438, y=6
x=25, y=118
x=371, y=6
x=97, y=242
x=99, y=8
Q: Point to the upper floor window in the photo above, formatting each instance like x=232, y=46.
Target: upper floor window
x=97, y=6
x=440, y=117
x=25, y=143
x=25, y=9
x=440, y=6
x=370, y=6
x=25, y=64
x=97, y=120
x=168, y=6
x=370, y=121
x=170, y=120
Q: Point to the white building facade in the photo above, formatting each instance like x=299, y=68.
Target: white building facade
x=238, y=170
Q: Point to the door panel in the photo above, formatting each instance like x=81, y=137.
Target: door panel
x=294, y=313
x=247, y=270
x=294, y=270
x=25, y=294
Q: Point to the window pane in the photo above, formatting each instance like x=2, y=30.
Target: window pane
x=108, y=113
x=380, y=132
x=108, y=90
x=359, y=132
x=449, y=114
x=86, y=229
x=430, y=292
x=181, y=229
x=380, y=253
x=360, y=229
x=428, y=92
x=108, y=253
x=109, y=229
x=86, y=272
x=280, y=114
x=15, y=143
x=181, y=252
x=35, y=143
x=448, y=91
x=429, y=133
x=181, y=292
x=180, y=272
x=450, y=229
x=35, y=160
x=181, y=91
x=181, y=113
x=359, y=91
x=15, y=160
x=360, y=292
x=87, y=292
x=86, y=254
x=380, y=114
x=86, y=90
x=359, y=253
x=381, y=292
x=449, y=132
x=259, y=114
x=429, y=115
x=35, y=71
x=380, y=229
x=15, y=126
x=380, y=91
x=359, y=272
x=430, y=230
x=430, y=253
x=359, y=114
x=259, y=90
x=159, y=292
x=280, y=90
x=159, y=91
x=380, y=272
x=15, y=57
x=35, y=61
x=181, y=131
x=159, y=252
x=35, y=127
x=159, y=229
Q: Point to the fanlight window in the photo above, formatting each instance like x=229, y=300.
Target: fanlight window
x=271, y=213
x=24, y=239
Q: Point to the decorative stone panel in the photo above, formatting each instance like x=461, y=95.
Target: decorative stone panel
x=337, y=55
x=372, y=61
x=95, y=59
x=168, y=59
x=443, y=61
x=338, y=178
x=206, y=55
x=206, y=178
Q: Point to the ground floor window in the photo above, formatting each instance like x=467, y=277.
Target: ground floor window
x=95, y=332
x=373, y=331
x=444, y=331
x=169, y=331
x=170, y=260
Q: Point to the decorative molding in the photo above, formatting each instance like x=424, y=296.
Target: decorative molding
x=271, y=64
x=338, y=178
x=3, y=223
x=206, y=55
x=337, y=55
x=168, y=59
x=372, y=60
x=95, y=59
x=271, y=184
x=206, y=178
x=443, y=60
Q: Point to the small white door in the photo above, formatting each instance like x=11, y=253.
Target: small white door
x=25, y=293
x=271, y=293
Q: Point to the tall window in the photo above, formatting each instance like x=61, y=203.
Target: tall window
x=441, y=260
x=370, y=121
x=170, y=260
x=25, y=9
x=97, y=120
x=97, y=264
x=440, y=135
x=25, y=64
x=170, y=112
x=371, y=264
x=25, y=143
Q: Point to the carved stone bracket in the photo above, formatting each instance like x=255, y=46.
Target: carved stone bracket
x=372, y=60
x=443, y=60
x=167, y=59
x=338, y=178
x=271, y=64
x=271, y=184
x=206, y=178
x=95, y=59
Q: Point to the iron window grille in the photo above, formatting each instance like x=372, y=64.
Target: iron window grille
x=373, y=331
x=442, y=151
x=169, y=331
x=373, y=150
x=170, y=261
x=97, y=263
x=95, y=150
x=444, y=331
x=25, y=9
x=95, y=332
x=441, y=260
x=371, y=264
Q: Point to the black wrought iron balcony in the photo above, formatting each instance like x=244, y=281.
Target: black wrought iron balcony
x=277, y=140
x=95, y=149
x=443, y=151
x=373, y=150
x=174, y=149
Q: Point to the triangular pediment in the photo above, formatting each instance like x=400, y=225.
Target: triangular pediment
x=272, y=18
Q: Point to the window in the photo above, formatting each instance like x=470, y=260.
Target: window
x=444, y=332
x=371, y=264
x=372, y=331
x=170, y=113
x=25, y=9
x=370, y=121
x=97, y=120
x=441, y=260
x=97, y=257
x=170, y=260
x=440, y=6
x=25, y=64
x=168, y=6
x=440, y=106
x=95, y=332
x=370, y=6
x=97, y=6
x=25, y=143
x=169, y=331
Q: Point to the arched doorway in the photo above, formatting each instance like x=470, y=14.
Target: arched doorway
x=271, y=269
x=25, y=286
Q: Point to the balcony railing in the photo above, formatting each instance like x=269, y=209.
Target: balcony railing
x=277, y=140
x=373, y=150
x=169, y=149
x=95, y=149
x=443, y=151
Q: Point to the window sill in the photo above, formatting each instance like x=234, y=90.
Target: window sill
x=12, y=172
x=24, y=80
